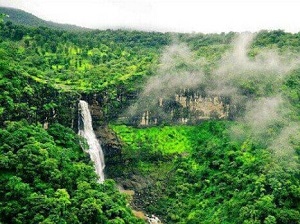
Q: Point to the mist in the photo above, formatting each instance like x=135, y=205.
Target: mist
x=251, y=82
x=239, y=76
x=178, y=69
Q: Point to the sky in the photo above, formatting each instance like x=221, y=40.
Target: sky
x=205, y=16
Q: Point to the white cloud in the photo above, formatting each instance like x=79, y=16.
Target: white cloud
x=169, y=15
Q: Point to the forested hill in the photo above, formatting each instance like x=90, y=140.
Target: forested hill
x=45, y=176
x=21, y=17
x=111, y=63
x=243, y=170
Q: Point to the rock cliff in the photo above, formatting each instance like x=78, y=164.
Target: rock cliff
x=184, y=107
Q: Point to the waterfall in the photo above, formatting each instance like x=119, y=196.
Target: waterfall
x=86, y=130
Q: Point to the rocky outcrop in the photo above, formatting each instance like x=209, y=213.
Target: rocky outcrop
x=185, y=107
x=109, y=142
x=203, y=107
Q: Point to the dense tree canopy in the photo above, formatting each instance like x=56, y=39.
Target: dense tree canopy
x=190, y=174
x=210, y=178
x=46, y=177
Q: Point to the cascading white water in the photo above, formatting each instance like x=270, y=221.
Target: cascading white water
x=86, y=130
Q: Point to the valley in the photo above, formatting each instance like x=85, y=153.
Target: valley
x=194, y=128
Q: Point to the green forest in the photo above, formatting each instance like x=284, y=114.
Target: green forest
x=242, y=169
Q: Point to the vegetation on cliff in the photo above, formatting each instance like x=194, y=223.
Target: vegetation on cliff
x=46, y=178
x=213, y=179
x=213, y=172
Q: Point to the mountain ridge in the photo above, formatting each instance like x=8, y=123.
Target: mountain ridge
x=24, y=18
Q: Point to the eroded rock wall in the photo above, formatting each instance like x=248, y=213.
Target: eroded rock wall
x=185, y=108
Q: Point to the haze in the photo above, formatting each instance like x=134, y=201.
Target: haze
x=168, y=15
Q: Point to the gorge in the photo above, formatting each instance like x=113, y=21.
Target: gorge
x=213, y=136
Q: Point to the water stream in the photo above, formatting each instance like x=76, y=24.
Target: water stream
x=86, y=130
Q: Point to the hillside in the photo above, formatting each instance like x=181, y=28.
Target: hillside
x=235, y=159
x=21, y=17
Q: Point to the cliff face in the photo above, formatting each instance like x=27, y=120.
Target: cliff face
x=108, y=140
x=185, y=108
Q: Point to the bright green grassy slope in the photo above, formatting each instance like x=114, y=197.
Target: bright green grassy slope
x=167, y=140
x=200, y=175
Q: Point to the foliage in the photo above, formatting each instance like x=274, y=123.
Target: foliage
x=165, y=139
x=278, y=38
x=95, y=60
x=216, y=180
x=45, y=177
x=198, y=175
x=24, y=98
x=291, y=89
x=112, y=63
